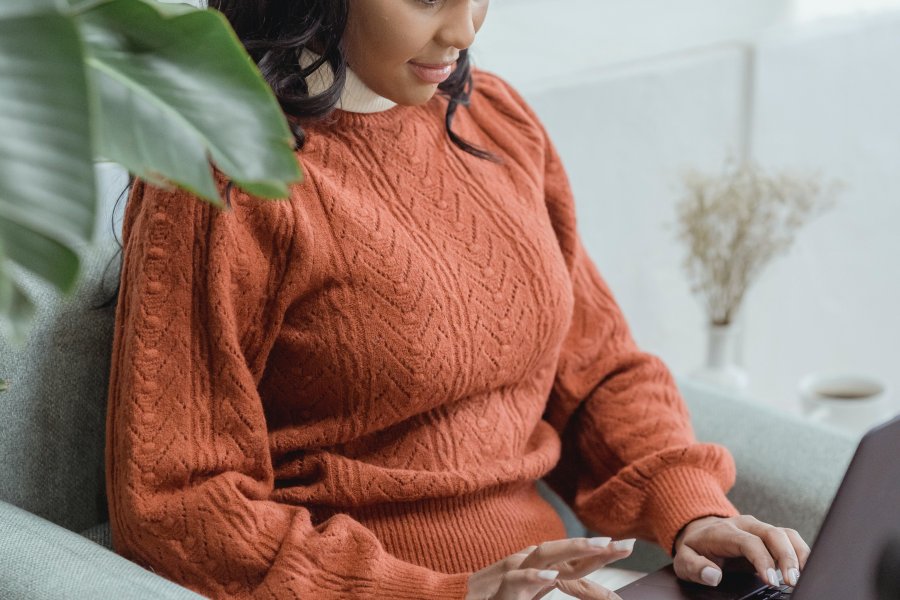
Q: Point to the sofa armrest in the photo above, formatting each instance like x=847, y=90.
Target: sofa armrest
x=42, y=560
x=788, y=469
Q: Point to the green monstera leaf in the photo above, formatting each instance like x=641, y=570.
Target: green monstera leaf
x=162, y=89
x=176, y=87
x=47, y=195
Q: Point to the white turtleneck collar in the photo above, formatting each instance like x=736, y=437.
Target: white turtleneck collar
x=355, y=97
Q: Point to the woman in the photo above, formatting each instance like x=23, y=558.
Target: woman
x=351, y=393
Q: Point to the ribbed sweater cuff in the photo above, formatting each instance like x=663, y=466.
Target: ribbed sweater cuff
x=681, y=494
x=403, y=580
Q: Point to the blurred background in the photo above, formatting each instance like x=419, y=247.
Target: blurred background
x=632, y=92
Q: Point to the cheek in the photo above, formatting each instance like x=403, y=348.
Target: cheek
x=479, y=14
x=381, y=38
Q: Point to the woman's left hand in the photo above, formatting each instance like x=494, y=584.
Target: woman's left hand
x=703, y=543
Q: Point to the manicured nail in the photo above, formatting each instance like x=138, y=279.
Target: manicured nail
x=773, y=576
x=548, y=574
x=599, y=542
x=624, y=544
x=793, y=576
x=711, y=576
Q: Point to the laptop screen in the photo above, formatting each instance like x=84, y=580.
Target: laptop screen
x=864, y=519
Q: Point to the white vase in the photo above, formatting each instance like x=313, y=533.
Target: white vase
x=722, y=368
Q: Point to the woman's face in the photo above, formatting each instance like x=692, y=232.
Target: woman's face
x=386, y=39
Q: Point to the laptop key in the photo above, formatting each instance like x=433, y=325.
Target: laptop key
x=773, y=593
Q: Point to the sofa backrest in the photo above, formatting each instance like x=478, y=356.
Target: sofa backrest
x=53, y=414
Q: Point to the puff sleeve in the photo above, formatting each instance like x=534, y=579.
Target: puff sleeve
x=188, y=467
x=630, y=463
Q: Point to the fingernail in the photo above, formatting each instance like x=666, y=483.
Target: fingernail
x=599, y=542
x=548, y=574
x=773, y=577
x=793, y=576
x=624, y=544
x=711, y=576
x=530, y=548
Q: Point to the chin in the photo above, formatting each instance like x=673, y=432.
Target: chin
x=412, y=91
x=417, y=97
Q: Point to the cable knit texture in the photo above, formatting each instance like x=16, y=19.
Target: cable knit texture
x=351, y=393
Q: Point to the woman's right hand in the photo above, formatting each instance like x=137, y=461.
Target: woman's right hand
x=564, y=563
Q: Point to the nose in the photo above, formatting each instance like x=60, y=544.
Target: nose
x=458, y=28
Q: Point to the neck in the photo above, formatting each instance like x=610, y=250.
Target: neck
x=356, y=95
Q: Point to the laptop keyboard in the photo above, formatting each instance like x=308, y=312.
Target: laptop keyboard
x=782, y=592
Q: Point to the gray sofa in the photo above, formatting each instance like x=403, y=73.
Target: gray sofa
x=54, y=535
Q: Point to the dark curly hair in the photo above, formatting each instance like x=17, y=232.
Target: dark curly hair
x=275, y=32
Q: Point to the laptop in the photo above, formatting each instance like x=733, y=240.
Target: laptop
x=850, y=553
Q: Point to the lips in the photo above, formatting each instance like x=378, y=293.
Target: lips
x=432, y=72
x=437, y=65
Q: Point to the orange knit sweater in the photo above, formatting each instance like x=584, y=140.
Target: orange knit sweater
x=351, y=393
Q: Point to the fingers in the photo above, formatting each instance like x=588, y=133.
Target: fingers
x=778, y=545
x=549, y=553
x=728, y=538
x=543, y=593
x=800, y=546
x=524, y=583
x=513, y=561
x=693, y=567
x=776, y=553
x=533, y=572
x=586, y=589
x=740, y=542
x=579, y=567
x=754, y=549
x=580, y=588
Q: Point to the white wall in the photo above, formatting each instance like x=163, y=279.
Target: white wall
x=828, y=98
x=623, y=135
x=805, y=10
x=542, y=43
x=795, y=89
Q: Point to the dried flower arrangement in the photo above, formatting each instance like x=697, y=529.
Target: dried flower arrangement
x=736, y=222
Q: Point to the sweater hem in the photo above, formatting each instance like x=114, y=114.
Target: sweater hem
x=464, y=533
x=403, y=581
